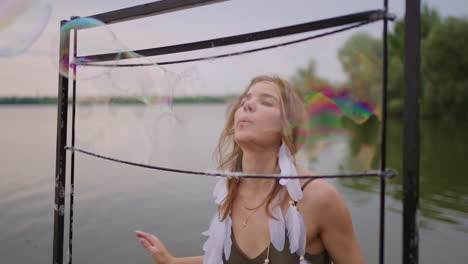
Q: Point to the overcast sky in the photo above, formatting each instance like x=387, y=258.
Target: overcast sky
x=33, y=73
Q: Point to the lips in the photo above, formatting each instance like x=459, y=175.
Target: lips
x=244, y=121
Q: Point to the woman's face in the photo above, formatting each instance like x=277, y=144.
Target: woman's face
x=257, y=121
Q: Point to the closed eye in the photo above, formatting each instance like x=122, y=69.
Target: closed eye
x=268, y=98
x=244, y=99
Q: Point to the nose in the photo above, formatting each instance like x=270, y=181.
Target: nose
x=248, y=107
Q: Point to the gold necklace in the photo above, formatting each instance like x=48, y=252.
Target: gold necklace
x=244, y=225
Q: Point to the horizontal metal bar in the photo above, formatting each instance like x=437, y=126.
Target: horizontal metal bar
x=243, y=38
x=283, y=44
x=150, y=9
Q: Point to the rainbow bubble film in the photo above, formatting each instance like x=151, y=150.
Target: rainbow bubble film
x=348, y=112
x=149, y=85
x=98, y=34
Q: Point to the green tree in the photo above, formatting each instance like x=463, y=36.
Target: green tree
x=360, y=58
x=396, y=48
x=444, y=82
x=305, y=78
x=445, y=69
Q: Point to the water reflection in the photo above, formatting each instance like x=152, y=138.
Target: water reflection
x=443, y=187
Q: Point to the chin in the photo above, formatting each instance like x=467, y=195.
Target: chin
x=243, y=138
x=247, y=139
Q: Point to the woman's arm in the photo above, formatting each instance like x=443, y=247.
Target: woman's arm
x=189, y=260
x=334, y=223
x=160, y=254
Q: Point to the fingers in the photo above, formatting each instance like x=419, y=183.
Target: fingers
x=148, y=237
x=148, y=246
x=155, y=252
x=154, y=246
x=151, y=240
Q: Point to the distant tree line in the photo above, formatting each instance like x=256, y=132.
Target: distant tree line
x=444, y=67
x=114, y=100
x=28, y=100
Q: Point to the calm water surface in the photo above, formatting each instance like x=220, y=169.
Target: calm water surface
x=112, y=200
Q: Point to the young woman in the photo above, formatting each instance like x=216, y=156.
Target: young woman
x=269, y=220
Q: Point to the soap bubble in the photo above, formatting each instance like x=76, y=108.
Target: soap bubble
x=21, y=24
x=150, y=84
x=93, y=36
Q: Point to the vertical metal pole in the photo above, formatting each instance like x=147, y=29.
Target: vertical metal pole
x=383, y=157
x=72, y=162
x=61, y=158
x=411, y=133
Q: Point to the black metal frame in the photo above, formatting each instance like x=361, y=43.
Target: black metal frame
x=383, y=158
x=61, y=155
x=411, y=152
x=366, y=16
x=150, y=9
x=411, y=132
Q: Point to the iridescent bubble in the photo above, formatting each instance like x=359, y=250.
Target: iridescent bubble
x=139, y=109
x=327, y=109
x=21, y=24
x=322, y=119
x=125, y=84
x=151, y=84
x=359, y=112
x=364, y=83
x=94, y=36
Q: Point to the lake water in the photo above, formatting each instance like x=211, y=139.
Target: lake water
x=112, y=200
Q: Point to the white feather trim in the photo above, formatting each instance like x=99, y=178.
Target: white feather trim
x=294, y=189
x=296, y=231
x=227, y=237
x=213, y=246
x=287, y=167
x=220, y=190
x=285, y=161
x=277, y=229
x=219, y=233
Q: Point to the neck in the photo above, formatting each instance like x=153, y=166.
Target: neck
x=262, y=161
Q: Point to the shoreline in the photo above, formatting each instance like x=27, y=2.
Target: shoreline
x=393, y=112
x=111, y=100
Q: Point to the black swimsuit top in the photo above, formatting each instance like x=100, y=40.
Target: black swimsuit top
x=276, y=257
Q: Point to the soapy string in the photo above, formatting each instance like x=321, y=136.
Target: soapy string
x=388, y=173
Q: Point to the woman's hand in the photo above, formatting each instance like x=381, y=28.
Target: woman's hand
x=155, y=247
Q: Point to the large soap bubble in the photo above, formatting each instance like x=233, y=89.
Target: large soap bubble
x=21, y=24
x=94, y=35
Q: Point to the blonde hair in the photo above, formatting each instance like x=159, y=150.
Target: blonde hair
x=229, y=153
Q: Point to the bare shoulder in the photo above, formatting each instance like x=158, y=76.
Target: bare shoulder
x=320, y=194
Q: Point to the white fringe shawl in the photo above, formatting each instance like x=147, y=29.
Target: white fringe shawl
x=219, y=232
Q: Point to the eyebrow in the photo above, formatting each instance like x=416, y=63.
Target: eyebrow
x=262, y=95
x=266, y=95
x=245, y=96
